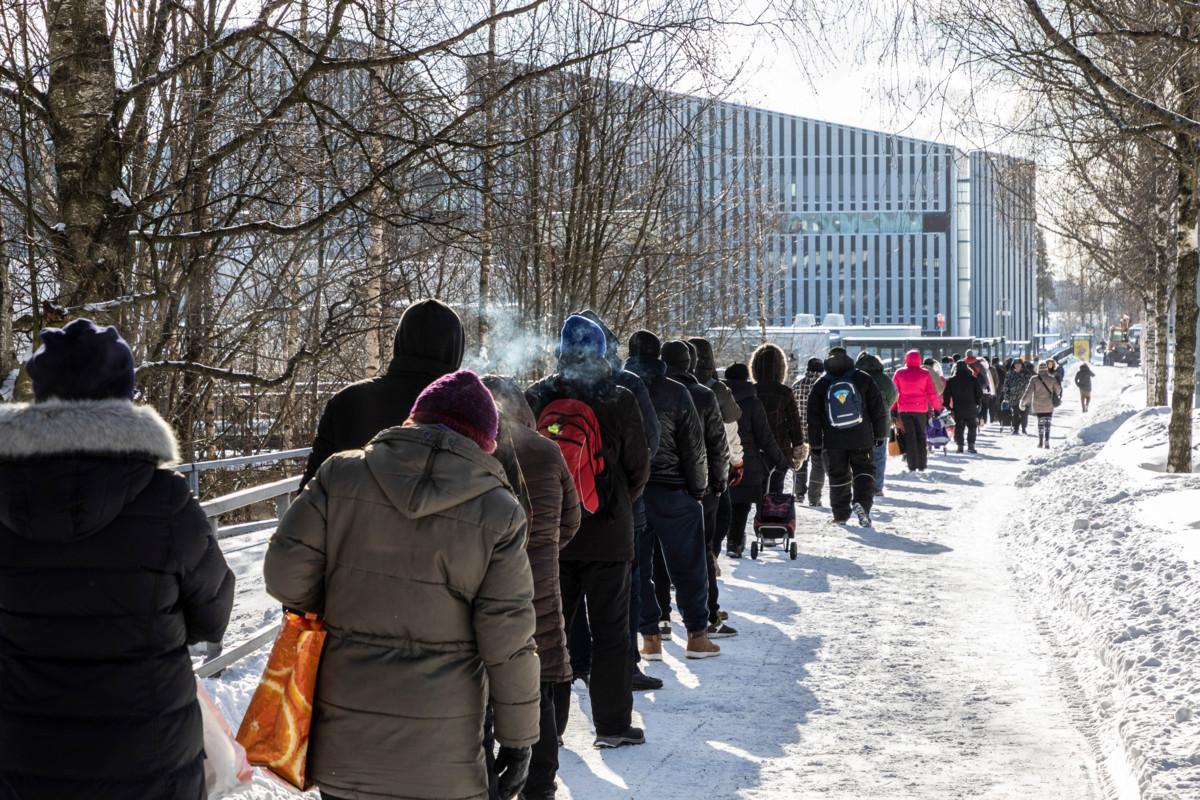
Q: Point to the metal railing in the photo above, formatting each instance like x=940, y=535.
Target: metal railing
x=280, y=491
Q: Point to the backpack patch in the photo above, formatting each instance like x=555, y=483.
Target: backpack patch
x=843, y=404
x=572, y=425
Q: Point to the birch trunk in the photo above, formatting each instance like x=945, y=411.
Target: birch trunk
x=1179, y=433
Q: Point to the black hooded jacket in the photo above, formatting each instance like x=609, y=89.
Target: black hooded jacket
x=963, y=394
x=706, y=374
x=873, y=428
x=715, y=447
x=681, y=461
x=428, y=344
x=608, y=534
x=762, y=453
x=108, y=570
x=769, y=368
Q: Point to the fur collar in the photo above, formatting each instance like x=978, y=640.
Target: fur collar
x=97, y=427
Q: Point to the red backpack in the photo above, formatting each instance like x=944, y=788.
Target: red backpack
x=572, y=425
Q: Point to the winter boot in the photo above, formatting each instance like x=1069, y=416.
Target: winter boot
x=631, y=736
x=972, y=451
x=864, y=518
x=652, y=647
x=960, y=449
x=664, y=627
x=645, y=683
x=719, y=630
x=699, y=646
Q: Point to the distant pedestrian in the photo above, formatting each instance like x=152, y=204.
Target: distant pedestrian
x=1083, y=380
x=1042, y=395
x=1015, y=384
x=809, y=477
x=847, y=424
x=935, y=370
x=871, y=365
x=916, y=398
x=964, y=397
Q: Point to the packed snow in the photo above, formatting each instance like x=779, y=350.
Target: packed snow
x=1021, y=624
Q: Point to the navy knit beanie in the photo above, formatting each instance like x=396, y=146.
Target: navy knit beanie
x=462, y=403
x=676, y=355
x=581, y=335
x=644, y=346
x=83, y=361
x=737, y=372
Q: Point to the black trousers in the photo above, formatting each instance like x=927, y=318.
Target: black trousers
x=724, y=520
x=776, y=481
x=543, y=764
x=816, y=479
x=605, y=585
x=737, y=525
x=916, y=442
x=851, y=480
x=1020, y=420
x=968, y=426
x=710, y=504
x=661, y=581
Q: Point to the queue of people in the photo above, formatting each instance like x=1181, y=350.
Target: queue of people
x=474, y=547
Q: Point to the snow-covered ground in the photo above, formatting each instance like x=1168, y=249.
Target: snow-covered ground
x=1016, y=626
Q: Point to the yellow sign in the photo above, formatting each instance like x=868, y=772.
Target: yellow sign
x=1083, y=348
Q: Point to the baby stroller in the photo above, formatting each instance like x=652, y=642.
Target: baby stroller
x=774, y=524
x=938, y=433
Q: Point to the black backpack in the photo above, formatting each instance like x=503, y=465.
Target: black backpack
x=844, y=403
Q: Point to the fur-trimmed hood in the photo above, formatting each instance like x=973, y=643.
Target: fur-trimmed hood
x=68, y=468
x=85, y=428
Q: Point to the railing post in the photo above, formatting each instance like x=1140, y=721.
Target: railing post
x=282, y=504
x=194, y=482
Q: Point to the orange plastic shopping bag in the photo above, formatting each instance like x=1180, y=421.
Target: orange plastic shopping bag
x=276, y=726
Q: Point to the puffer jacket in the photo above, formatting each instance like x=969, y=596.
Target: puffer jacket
x=681, y=461
x=963, y=395
x=915, y=389
x=108, y=571
x=1016, y=381
x=871, y=365
x=1040, y=393
x=1083, y=378
x=716, y=449
x=762, y=453
x=413, y=551
x=428, y=344
x=731, y=412
x=863, y=436
x=553, y=521
x=608, y=535
x=769, y=369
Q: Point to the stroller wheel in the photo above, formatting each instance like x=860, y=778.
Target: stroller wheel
x=754, y=551
x=794, y=551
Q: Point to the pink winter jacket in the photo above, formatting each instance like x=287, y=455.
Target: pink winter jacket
x=915, y=385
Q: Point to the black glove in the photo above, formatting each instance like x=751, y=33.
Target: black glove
x=815, y=452
x=880, y=443
x=512, y=769
x=718, y=488
x=698, y=495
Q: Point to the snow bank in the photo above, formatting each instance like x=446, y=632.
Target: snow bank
x=1108, y=548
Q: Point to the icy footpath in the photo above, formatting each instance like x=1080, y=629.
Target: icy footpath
x=1109, y=547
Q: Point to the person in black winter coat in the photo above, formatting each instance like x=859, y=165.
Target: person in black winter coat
x=595, y=567
x=768, y=366
x=679, y=479
x=428, y=344
x=849, y=452
x=964, y=397
x=108, y=571
x=761, y=453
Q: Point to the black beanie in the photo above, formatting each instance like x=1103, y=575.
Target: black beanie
x=737, y=372
x=816, y=365
x=82, y=361
x=644, y=345
x=677, y=356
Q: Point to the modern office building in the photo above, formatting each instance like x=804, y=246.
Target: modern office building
x=881, y=228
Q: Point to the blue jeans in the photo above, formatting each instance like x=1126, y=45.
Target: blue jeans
x=676, y=521
x=881, y=459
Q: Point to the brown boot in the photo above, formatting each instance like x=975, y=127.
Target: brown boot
x=652, y=647
x=699, y=646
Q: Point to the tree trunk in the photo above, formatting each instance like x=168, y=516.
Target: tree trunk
x=94, y=249
x=1179, y=435
x=8, y=350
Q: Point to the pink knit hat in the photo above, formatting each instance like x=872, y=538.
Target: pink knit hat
x=462, y=403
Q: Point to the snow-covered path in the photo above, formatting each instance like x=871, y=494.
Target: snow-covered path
x=889, y=663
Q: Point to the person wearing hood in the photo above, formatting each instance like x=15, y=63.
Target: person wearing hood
x=429, y=343
x=871, y=365
x=935, y=370
x=809, y=477
x=1042, y=395
x=964, y=398
x=916, y=397
x=847, y=421
x=1083, y=380
x=768, y=366
x=1015, y=383
x=762, y=455
x=679, y=479
x=422, y=519
x=109, y=571
x=595, y=567
x=580, y=637
x=554, y=520
x=681, y=359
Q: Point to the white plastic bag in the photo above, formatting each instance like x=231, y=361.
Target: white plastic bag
x=226, y=769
